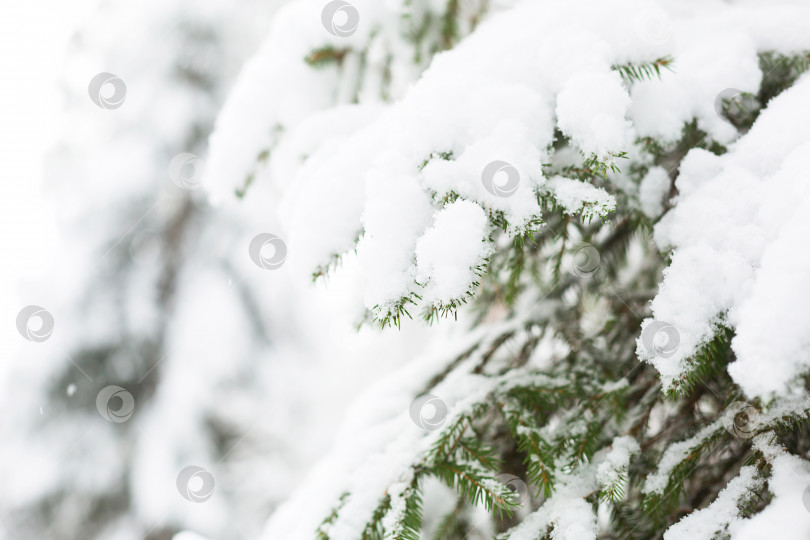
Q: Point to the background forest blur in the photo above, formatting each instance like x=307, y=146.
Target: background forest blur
x=230, y=367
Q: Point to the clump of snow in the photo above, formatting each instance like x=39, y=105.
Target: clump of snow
x=397, y=214
x=617, y=460
x=573, y=519
x=736, y=227
x=577, y=196
x=591, y=109
x=774, y=350
x=448, y=253
x=661, y=107
x=653, y=191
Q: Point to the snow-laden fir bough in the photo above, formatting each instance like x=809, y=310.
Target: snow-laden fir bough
x=646, y=271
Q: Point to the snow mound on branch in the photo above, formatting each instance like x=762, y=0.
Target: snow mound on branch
x=653, y=190
x=447, y=254
x=617, y=460
x=675, y=453
x=396, y=215
x=576, y=196
x=790, y=485
x=591, y=108
x=703, y=524
x=736, y=229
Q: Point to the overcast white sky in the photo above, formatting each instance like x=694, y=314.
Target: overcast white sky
x=33, y=37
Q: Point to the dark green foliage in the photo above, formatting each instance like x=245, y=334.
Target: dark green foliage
x=600, y=167
x=741, y=109
x=409, y=526
x=393, y=317
x=779, y=72
x=476, y=484
x=708, y=362
x=615, y=491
